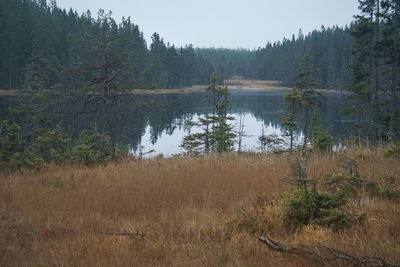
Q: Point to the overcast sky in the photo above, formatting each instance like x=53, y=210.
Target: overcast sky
x=224, y=23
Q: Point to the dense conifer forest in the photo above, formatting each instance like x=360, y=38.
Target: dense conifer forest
x=41, y=43
x=329, y=49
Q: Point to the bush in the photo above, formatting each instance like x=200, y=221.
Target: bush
x=92, y=149
x=121, y=152
x=352, y=185
x=323, y=142
x=271, y=142
x=52, y=146
x=315, y=207
x=393, y=150
x=32, y=161
x=11, y=148
x=325, y=208
x=320, y=139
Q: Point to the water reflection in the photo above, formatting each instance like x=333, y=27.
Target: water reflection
x=261, y=111
x=157, y=122
x=168, y=143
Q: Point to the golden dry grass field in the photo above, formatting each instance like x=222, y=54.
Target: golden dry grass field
x=186, y=211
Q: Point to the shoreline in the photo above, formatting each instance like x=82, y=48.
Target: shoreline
x=232, y=84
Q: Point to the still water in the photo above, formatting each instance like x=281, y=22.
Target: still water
x=159, y=122
x=260, y=113
x=169, y=144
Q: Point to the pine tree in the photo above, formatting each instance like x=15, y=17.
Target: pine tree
x=218, y=135
x=290, y=120
x=302, y=100
x=375, y=68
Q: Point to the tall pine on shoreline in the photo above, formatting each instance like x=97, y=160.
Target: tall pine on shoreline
x=376, y=68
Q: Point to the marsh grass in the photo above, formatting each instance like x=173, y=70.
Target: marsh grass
x=204, y=211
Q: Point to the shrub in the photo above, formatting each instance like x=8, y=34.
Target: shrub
x=352, y=185
x=11, y=148
x=92, y=149
x=51, y=146
x=271, y=142
x=393, y=150
x=320, y=139
x=32, y=161
x=325, y=208
x=323, y=142
x=120, y=152
x=314, y=207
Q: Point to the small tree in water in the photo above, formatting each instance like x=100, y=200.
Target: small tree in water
x=303, y=99
x=217, y=135
x=289, y=122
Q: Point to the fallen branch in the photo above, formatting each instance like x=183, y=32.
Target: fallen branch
x=124, y=233
x=271, y=244
x=325, y=254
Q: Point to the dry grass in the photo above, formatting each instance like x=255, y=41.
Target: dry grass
x=254, y=85
x=189, y=210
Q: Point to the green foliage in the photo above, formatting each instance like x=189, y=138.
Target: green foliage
x=315, y=207
x=11, y=147
x=46, y=47
x=31, y=161
x=192, y=143
x=52, y=146
x=352, y=185
x=307, y=205
x=218, y=135
x=320, y=139
x=289, y=121
x=10, y=140
x=375, y=68
x=325, y=208
x=222, y=138
x=271, y=142
x=302, y=100
x=323, y=142
x=15, y=155
x=278, y=61
x=91, y=149
x=393, y=150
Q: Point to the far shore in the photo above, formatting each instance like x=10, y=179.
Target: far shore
x=232, y=84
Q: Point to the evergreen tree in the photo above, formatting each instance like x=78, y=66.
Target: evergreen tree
x=375, y=68
x=217, y=135
x=302, y=100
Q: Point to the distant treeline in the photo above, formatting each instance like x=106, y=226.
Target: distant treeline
x=329, y=51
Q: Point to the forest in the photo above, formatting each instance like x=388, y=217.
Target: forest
x=80, y=95
x=40, y=37
x=43, y=45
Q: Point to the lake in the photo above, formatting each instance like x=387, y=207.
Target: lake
x=159, y=122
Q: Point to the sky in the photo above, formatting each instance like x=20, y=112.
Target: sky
x=224, y=23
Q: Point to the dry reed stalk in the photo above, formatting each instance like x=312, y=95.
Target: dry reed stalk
x=186, y=209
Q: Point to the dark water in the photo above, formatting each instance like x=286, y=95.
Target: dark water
x=158, y=122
